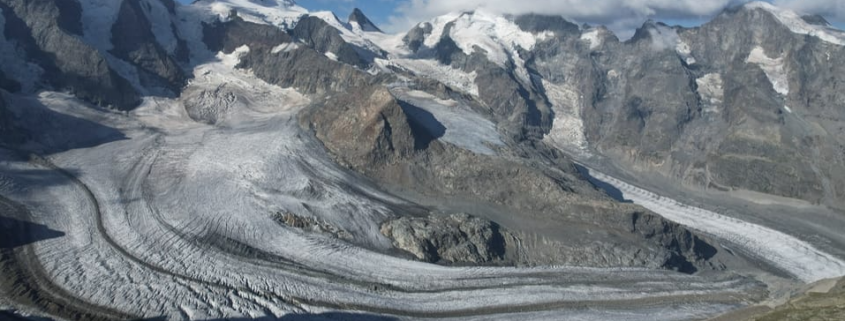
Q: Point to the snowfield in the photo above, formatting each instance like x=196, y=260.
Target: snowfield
x=773, y=67
x=463, y=127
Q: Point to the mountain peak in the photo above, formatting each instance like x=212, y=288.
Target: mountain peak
x=798, y=24
x=357, y=16
x=280, y=13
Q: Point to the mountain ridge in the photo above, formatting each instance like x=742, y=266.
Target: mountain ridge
x=330, y=164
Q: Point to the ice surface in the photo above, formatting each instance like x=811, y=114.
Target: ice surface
x=280, y=13
x=175, y=218
x=773, y=67
x=464, y=127
x=285, y=47
x=568, y=127
x=783, y=251
x=796, y=24
x=711, y=91
x=592, y=36
x=496, y=36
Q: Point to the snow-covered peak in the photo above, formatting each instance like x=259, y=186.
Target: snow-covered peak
x=360, y=21
x=498, y=36
x=350, y=32
x=281, y=13
x=797, y=24
x=592, y=36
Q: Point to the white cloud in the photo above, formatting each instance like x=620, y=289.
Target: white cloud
x=832, y=9
x=619, y=15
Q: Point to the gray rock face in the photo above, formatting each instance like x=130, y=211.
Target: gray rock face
x=134, y=41
x=457, y=238
x=711, y=116
x=539, y=23
x=228, y=36
x=324, y=38
x=416, y=37
x=358, y=17
x=9, y=134
x=311, y=224
x=47, y=31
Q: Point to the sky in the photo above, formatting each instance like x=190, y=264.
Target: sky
x=622, y=16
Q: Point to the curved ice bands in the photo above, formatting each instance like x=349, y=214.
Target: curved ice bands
x=135, y=259
x=784, y=251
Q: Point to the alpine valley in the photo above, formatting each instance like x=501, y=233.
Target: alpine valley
x=252, y=160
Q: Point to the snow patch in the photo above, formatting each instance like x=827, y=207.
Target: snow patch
x=233, y=59
x=711, y=91
x=452, y=77
x=593, y=37
x=788, y=110
x=281, y=13
x=773, y=67
x=331, y=56
x=796, y=24
x=568, y=127
x=464, y=127
x=285, y=47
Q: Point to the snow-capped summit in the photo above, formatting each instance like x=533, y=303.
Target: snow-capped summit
x=359, y=20
x=798, y=24
x=281, y=13
x=496, y=35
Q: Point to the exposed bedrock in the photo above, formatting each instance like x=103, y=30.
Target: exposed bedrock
x=741, y=103
x=9, y=133
x=47, y=32
x=134, y=41
x=456, y=238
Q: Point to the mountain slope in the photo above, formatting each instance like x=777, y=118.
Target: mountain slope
x=247, y=158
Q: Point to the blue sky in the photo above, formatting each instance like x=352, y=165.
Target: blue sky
x=619, y=15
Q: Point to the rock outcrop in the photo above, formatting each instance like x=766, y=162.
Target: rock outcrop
x=134, y=41
x=452, y=239
x=47, y=32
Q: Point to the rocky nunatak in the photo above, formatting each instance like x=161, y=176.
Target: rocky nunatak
x=451, y=239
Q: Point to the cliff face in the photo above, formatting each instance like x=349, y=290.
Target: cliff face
x=46, y=33
x=741, y=102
